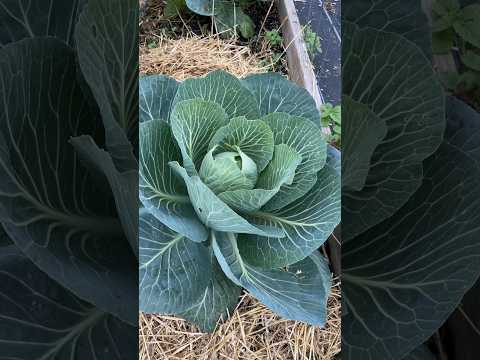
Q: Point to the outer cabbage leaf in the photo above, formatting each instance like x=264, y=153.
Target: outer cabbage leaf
x=124, y=185
x=174, y=8
x=4, y=239
x=105, y=55
x=204, y=7
x=307, y=223
x=274, y=93
x=363, y=131
x=52, y=207
x=161, y=192
x=298, y=293
x=403, y=92
x=218, y=300
x=20, y=19
x=108, y=55
x=174, y=271
x=230, y=19
x=405, y=276
x=301, y=135
x=43, y=320
x=222, y=88
x=402, y=17
x=156, y=97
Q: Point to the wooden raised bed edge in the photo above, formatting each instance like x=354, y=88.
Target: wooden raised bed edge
x=300, y=68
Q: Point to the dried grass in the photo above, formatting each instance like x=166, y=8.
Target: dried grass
x=196, y=56
x=252, y=333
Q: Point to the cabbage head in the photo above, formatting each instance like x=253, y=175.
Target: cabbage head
x=238, y=189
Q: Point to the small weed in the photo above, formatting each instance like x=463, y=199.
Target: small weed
x=152, y=44
x=312, y=41
x=332, y=118
x=454, y=27
x=273, y=62
x=273, y=37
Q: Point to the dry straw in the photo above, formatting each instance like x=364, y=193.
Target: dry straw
x=195, y=56
x=252, y=332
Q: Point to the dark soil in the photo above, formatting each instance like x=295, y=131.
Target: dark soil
x=472, y=98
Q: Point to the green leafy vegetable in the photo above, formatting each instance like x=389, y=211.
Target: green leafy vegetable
x=363, y=134
x=332, y=118
x=20, y=19
x=273, y=37
x=403, y=276
x=402, y=17
x=386, y=88
x=407, y=263
x=68, y=178
x=228, y=15
x=456, y=28
x=312, y=41
x=43, y=319
x=231, y=20
x=49, y=206
x=235, y=188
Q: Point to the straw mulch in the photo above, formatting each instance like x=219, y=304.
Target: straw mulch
x=252, y=332
x=196, y=56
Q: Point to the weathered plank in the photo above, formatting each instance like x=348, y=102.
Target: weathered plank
x=300, y=68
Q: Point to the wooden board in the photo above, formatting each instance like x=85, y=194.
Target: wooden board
x=300, y=68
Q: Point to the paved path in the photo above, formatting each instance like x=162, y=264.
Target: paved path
x=325, y=19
